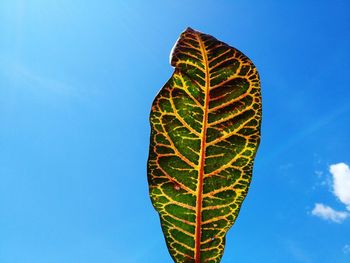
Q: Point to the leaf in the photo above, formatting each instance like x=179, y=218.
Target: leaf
x=205, y=130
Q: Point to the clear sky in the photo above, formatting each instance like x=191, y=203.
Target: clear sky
x=77, y=79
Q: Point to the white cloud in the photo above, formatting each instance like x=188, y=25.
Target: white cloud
x=346, y=249
x=328, y=213
x=341, y=182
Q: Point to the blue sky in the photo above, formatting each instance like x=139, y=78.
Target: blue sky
x=77, y=79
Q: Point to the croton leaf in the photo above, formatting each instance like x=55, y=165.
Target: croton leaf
x=205, y=131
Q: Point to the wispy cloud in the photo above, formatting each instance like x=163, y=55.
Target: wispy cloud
x=37, y=82
x=340, y=184
x=328, y=213
x=298, y=253
x=346, y=249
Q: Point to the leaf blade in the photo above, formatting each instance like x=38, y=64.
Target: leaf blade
x=205, y=130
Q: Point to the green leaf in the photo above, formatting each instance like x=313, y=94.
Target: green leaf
x=205, y=131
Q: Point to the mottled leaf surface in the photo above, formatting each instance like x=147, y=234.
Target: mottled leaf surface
x=205, y=130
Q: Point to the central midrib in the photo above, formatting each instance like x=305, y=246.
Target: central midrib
x=198, y=234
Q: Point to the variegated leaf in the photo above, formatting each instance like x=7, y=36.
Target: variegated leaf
x=205, y=131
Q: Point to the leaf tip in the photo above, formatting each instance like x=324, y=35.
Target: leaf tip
x=171, y=62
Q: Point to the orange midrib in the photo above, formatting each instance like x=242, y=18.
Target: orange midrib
x=198, y=234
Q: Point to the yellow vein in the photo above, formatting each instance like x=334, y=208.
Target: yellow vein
x=177, y=115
